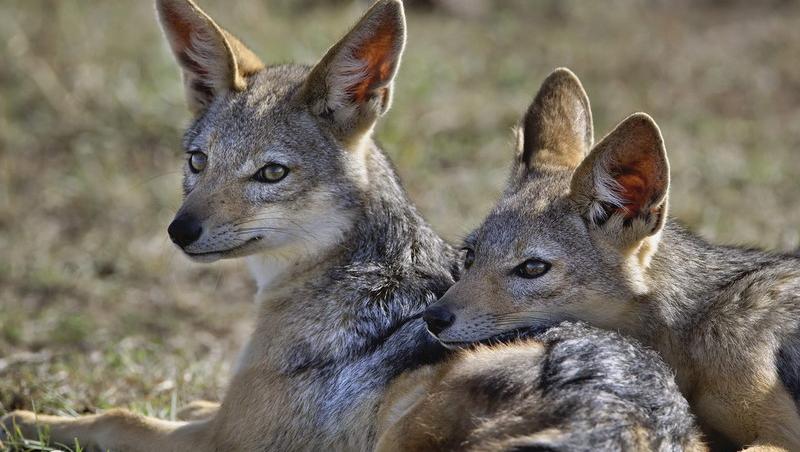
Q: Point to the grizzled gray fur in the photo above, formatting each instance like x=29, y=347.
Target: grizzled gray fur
x=604, y=392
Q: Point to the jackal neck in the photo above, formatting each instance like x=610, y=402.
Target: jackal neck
x=687, y=275
x=347, y=300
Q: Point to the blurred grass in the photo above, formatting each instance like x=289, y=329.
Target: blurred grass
x=98, y=310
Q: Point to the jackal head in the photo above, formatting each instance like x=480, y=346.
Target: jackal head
x=572, y=235
x=276, y=155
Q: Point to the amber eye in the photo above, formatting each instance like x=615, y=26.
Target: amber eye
x=532, y=268
x=469, y=257
x=271, y=173
x=197, y=161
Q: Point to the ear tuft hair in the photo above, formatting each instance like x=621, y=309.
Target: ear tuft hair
x=626, y=179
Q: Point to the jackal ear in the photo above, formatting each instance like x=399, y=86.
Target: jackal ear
x=622, y=185
x=556, y=131
x=352, y=84
x=213, y=61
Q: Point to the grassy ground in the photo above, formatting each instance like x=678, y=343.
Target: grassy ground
x=98, y=310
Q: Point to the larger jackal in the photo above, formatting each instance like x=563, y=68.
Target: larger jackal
x=281, y=168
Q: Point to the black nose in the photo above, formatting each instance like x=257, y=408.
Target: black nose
x=184, y=230
x=438, y=318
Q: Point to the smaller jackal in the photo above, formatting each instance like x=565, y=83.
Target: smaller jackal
x=581, y=233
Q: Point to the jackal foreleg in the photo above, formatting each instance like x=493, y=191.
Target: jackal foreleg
x=118, y=430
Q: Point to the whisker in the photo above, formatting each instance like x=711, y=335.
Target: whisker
x=310, y=234
x=261, y=228
x=255, y=219
x=267, y=229
x=524, y=317
x=249, y=231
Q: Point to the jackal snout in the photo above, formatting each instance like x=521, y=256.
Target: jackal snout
x=438, y=318
x=470, y=312
x=184, y=230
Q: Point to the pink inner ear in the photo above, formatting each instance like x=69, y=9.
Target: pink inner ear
x=636, y=178
x=181, y=33
x=377, y=55
x=180, y=29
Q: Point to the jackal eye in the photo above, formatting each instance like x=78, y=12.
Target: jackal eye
x=197, y=161
x=469, y=257
x=271, y=173
x=532, y=268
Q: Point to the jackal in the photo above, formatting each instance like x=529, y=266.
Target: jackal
x=581, y=233
x=281, y=167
